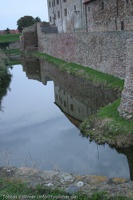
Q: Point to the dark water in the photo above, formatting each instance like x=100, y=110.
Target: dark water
x=39, y=125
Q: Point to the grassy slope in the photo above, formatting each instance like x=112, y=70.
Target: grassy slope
x=9, y=38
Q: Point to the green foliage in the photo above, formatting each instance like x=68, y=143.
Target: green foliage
x=37, y=19
x=7, y=31
x=25, y=22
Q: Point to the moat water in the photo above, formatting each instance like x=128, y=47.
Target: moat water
x=40, y=119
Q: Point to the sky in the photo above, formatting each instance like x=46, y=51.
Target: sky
x=12, y=10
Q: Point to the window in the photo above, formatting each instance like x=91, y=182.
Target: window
x=49, y=4
x=127, y=1
x=57, y=1
x=54, y=16
x=72, y=109
x=89, y=9
x=54, y=2
x=122, y=25
x=56, y=96
x=74, y=8
x=64, y=103
x=58, y=14
x=102, y=5
x=64, y=0
x=65, y=12
x=50, y=19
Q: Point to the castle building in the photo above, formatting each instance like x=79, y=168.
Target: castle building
x=91, y=15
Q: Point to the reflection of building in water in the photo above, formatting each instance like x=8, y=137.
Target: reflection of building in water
x=70, y=105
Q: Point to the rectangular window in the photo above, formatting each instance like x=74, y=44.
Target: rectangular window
x=49, y=4
x=65, y=12
x=64, y=103
x=74, y=8
x=89, y=9
x=54, y=16
x=72, y=108
x=58, y=14
x=64, y=0
x=50, y=19
x=122, y=25
x=57, y=1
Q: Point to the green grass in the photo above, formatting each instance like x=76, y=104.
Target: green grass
x=11, y=51
x=15, y=188
x=7, y=38
x=78, y=70
x=117, y=125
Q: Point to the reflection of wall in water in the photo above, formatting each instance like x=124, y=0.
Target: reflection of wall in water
x=31, y=67
x=128, y=152
x=70, y=105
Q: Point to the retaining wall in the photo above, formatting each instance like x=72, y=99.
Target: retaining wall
x=103, y=51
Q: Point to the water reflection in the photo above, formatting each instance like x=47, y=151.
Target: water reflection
x=35, y=132
x=75, y=97
x=4, y=86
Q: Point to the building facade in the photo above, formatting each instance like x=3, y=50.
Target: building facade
x=91, y=15
x=66, y=15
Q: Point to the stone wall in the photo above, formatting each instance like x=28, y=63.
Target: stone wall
x=103, y=51
x=29, y=39
x=104, y=15
x=126, y=106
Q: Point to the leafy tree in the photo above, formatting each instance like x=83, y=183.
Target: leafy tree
x=37, y=19
x=7, y=31
x=25, y=22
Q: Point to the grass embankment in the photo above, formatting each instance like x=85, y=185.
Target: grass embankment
x=15, y=189
x=78, y=70
x=106, y=125
x=5, y=40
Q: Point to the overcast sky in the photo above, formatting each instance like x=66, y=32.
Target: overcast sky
x=12, y=10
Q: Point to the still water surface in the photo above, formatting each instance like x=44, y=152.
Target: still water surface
x=34, y=132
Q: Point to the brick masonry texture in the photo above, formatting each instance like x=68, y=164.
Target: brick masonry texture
x=103, y=51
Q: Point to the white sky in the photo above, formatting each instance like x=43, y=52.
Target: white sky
x=12, y=10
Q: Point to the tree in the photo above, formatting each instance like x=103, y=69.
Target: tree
x=25, y=22
x=37, y=19
x=7, y=31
